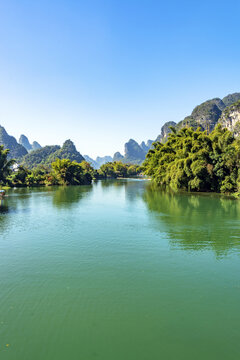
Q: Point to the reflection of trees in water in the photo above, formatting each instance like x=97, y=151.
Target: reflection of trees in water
x=133, y=188
x=17, y=200
x=4, y=210
x=195, y=222
x=3, y=206
x=67, y=196
x=111, y=183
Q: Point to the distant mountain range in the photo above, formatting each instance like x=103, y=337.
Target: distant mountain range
x=32, y=155
x=206, y=115
x=9, y=142
x=99, y=161
x=23, y=140
x=47, y=154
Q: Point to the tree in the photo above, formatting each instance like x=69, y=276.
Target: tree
x=71, y=173
x=5, y=165
x=19, y=176
x=193, y=160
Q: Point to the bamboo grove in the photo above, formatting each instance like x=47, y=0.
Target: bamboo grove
x=196, y=161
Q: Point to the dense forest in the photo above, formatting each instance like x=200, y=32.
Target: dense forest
x=196, y=161
x=191, y=160
x=60, y=172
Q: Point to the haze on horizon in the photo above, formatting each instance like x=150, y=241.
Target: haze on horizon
x=100, y=73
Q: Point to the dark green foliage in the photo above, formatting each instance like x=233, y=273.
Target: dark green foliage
x=69, y=172
x=67, y=151
x=48, y=154
x=18, y=177
x=118, y=169
x=134, y=154
x=40, y=156
x=193, y=160
x=62, y=172
x=5, y=165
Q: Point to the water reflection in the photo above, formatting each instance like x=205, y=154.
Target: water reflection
x=196, y=222
x=3, y=206
x=4, y=210
x=132, y=188
x=67, y=196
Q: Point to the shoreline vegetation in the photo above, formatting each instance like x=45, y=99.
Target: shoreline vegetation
x=195, y=161
x=189, y=160
x=60, y=172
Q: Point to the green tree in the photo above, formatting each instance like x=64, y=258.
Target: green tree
x=5, y=165
x=19, y=177
x=193, y=160
x=71, y=173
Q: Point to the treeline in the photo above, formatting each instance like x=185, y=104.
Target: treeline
x=195, y=161
x=118, y=169
x=61, y=172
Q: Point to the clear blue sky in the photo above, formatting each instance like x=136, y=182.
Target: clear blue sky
x=101, y=72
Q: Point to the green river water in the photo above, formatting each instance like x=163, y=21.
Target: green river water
x=119, y=271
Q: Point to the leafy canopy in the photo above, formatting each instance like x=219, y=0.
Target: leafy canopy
x=193, y=160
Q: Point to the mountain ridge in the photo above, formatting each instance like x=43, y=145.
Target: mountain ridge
x=205, y=115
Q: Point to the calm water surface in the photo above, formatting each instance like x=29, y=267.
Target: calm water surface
x=119, y=271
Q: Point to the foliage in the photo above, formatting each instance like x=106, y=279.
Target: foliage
x=62, y=172
x=70, y=172
x=193, y=160
x=5, y=165
x=39, y=157
x=48, y=154
x=118, y=169
x=67, y=151
x=18, y=177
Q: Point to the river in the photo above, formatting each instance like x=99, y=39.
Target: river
x=119, y=271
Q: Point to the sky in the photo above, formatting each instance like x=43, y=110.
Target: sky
x=102, y=72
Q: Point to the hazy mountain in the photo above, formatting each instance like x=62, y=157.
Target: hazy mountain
x=91, y=161
x=118, y=156
x=133, y=152
x=36, y=145
x=103, y=160
x=23, y=140
x=149, y=143
x=144, y=146
x=165, y=130
x=9, y=142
